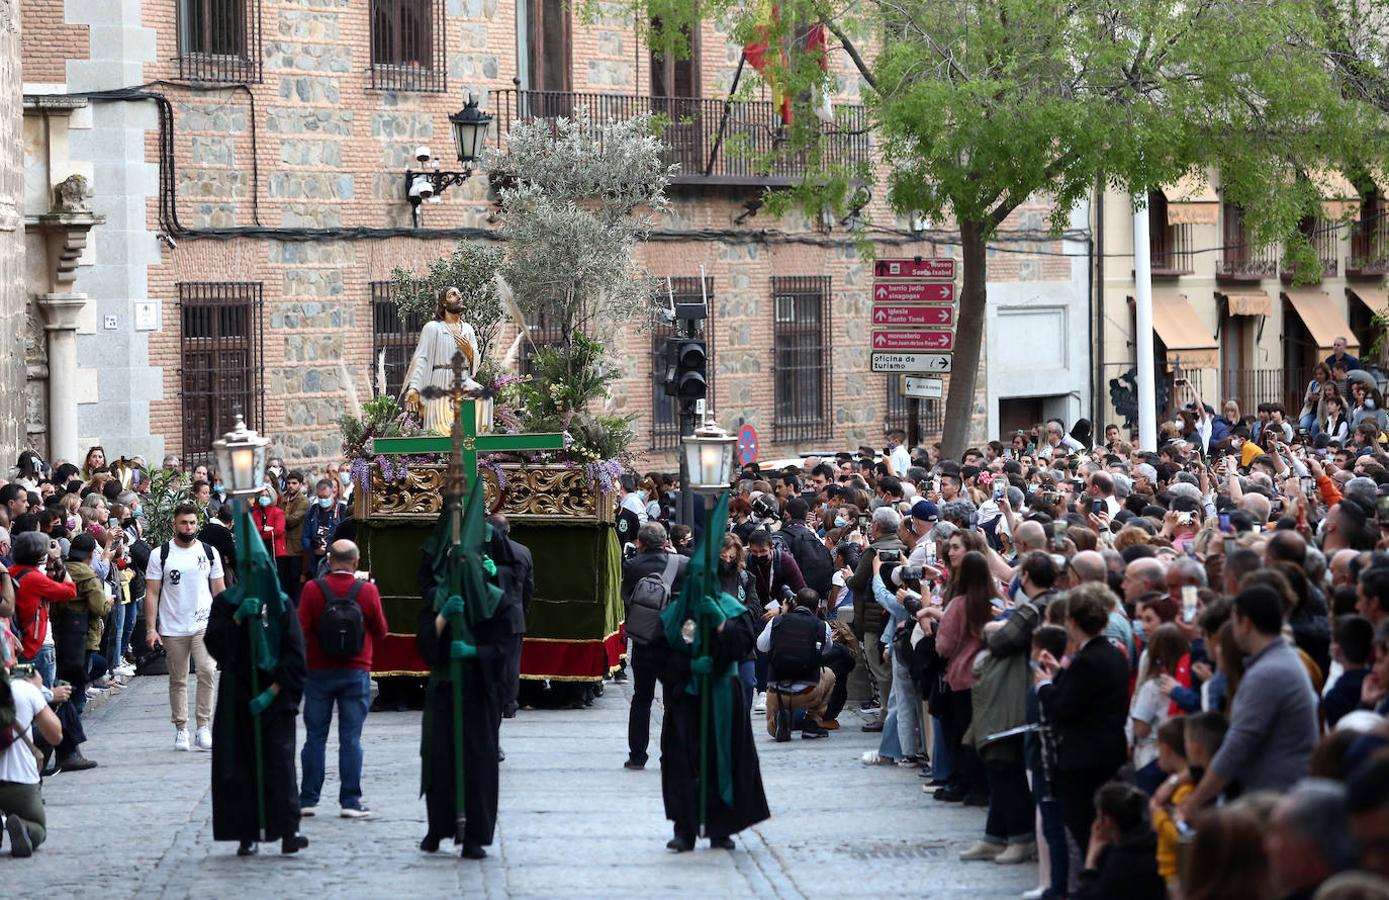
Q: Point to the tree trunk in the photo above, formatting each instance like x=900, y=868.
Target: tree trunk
x=969, y=337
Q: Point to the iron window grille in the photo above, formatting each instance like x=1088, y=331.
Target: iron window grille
x=665, y=410
x=544, y=333
x=801, y=358
x=408, y=43
x=393, y=335
x=221, y=340
x=219, y=41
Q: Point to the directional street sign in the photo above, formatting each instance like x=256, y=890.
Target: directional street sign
x=922, y=387
x=911, y=362
x=913, y=315
x=943, y=269
x=913, y=340
x=913, y=292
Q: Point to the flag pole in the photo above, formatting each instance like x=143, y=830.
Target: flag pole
x=259, y=738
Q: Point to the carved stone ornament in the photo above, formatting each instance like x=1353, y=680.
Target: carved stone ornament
x=533, y=494
x=71, y=195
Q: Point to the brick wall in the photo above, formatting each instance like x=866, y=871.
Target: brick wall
x=51, y=41
x=321, y=149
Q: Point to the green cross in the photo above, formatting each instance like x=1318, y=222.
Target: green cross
x=464, y=441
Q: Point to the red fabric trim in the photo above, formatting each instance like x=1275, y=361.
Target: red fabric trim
x=539, y=659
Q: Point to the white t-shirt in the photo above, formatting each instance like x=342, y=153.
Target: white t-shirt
x=17, y=762
x=1150, y=706
x=185, y=596
x=901, y=460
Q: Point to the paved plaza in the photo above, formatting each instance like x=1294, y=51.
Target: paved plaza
x=573, y=822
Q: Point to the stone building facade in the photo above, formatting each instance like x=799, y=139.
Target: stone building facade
x=11, y=234
x=254, y=203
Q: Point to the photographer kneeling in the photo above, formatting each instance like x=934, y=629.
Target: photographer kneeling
x=798, y=642
x=21, y=795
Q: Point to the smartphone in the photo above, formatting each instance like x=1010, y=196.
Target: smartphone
x=1309, y=486
x=1096, y=506
x=1007, y=452
x=1188, y=603
x=998, y=490
x=1231, y=544
x=112, y=523
x=1225, y=522
x=1059, y=532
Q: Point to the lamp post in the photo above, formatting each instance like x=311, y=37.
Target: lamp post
x=240, y=457
x=709, y=455
x=469, y=126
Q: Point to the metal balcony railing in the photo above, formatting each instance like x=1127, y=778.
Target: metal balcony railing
x=711, y=141
x=1369, y=247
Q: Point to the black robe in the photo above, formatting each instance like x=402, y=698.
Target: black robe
x=234, y=811
x=483, y=687
x=680, y=744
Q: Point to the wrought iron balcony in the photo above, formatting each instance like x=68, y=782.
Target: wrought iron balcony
x=1369, y=248
x=1325, y=240
x=1242, y=263
x=712, y=142
x=1170, y=251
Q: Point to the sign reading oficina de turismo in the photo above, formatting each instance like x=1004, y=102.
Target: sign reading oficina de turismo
x=914, y=315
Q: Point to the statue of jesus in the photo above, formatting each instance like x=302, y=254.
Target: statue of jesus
x=432, y=363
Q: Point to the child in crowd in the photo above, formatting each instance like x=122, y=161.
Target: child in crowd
x=1352, y=648
x=1171, y=759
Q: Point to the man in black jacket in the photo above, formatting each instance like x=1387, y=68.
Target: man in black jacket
x=517, y=578
x=814, y=561
x=869, y=618
x=648, y=660
x=1087, y=703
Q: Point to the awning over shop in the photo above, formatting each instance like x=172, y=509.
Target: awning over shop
x=1246, y=303
x=1188, y=342
x=1192, y=201
x=1324, y=321
x=1376, y=299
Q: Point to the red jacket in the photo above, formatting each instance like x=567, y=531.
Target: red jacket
x=311, y=607
x=34, y=590
x=274, y=517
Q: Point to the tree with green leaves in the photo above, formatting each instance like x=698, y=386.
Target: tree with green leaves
x=977, y=106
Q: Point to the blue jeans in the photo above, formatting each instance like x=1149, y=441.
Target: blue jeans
x=1309, y=422
x=760, y=666
x=112, y=641
x=747, y=676
x=351, y=690
x=942, y=767
x=131, y=615
x=45, y=663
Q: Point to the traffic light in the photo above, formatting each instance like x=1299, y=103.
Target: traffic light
x=685, y=368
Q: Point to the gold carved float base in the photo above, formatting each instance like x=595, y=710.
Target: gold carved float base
x=551, y=493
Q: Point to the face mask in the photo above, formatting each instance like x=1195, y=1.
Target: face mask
x=345, y=477
x=135, y=513
x=71, y=523
x=642, y=495
x=1369, y=403
x=263, y=500
x=325, y=502
x=217, y=488
x=840, y=521
x=185, y=539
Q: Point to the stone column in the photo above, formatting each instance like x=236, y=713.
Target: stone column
x=60, y=312
x=66, y=230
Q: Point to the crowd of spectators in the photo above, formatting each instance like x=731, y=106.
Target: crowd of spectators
x=1162, y=673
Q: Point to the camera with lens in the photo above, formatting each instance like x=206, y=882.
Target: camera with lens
x=912, y=603
x=787, y=595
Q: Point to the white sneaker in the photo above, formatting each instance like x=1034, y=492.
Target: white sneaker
x=1035, y=894
x=181, y=739
x=125, y=670
x=759, y=702
x=306, y=812
x=204, y=738
x=873, y=758
x=1016, y=853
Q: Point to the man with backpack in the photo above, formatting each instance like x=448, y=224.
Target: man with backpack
x=341, y=616
x=797, y=643
x=649, y=580
x=813, y=558
x=180, y=581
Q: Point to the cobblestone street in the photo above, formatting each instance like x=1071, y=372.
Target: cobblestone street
x=573, y=822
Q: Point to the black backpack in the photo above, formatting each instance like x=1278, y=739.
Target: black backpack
x=341, y=627
x=797, y=641
x=650, y=595
x=812, y=557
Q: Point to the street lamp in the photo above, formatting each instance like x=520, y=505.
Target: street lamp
x=241, y=458
x=470, y=126
x=709, y=457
